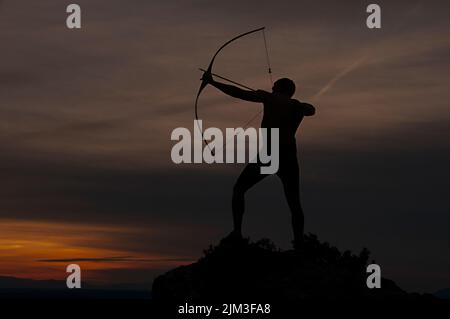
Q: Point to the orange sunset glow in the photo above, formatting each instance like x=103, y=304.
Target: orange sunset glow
x=42, y=250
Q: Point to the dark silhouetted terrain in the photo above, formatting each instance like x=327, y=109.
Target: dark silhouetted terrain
x=260, y=271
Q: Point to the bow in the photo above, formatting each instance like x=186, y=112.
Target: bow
x=209, y=70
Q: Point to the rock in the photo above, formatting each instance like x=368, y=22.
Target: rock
x=259, y=271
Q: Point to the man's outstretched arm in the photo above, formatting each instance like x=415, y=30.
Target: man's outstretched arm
x=234, y=91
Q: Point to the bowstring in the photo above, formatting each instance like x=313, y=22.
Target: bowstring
x=269, y=70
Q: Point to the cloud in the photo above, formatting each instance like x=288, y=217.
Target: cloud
x=115, y=259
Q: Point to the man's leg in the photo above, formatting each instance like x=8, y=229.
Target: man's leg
x=249, y=177
x=289, y=175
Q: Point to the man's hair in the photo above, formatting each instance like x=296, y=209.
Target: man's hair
x=286, y=86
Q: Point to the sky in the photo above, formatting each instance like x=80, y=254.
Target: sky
x=86, y=117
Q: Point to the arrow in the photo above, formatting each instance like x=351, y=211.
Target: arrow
x=231, y=81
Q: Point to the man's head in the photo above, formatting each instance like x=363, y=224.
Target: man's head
x=284, y=86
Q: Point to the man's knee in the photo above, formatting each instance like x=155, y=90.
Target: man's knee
x=292, y=193
x=238, y=190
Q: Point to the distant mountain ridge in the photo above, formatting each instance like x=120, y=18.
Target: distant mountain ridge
x=20, y=288
x=9, y=282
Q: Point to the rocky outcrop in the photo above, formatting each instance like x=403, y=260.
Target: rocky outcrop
x=259, y=271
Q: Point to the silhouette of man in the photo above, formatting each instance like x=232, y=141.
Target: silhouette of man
x=285, y=113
